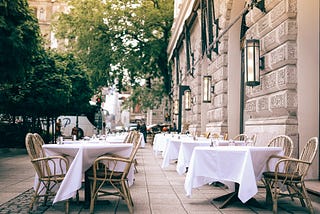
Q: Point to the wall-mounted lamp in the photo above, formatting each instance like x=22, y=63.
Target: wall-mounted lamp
x=176, y=107
x=207, y=89
x=252, y=62
x=187, y=98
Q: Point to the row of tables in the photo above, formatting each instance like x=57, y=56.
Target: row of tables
x=211, y=160
x=81, y=155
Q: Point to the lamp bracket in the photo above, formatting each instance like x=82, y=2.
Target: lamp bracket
x=259, y=4
x=262, y=63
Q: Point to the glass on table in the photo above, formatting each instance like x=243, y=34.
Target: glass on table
x=214, y=142
x=232, y=143
x=60, y=140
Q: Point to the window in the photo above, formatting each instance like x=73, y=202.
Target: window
x=209, y=24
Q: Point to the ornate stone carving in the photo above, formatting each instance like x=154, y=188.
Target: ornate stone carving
x=251, y=106
x=263, y=104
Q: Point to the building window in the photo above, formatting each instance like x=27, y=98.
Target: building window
x=209, y=24
x=189, y=54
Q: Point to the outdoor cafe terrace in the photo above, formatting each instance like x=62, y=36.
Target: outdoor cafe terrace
x=173, y=173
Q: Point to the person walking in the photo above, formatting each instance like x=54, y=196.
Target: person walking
x=143, y=130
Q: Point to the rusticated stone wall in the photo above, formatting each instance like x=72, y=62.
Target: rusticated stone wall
x=271, y=108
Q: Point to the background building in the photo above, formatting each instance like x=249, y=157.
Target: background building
x=44, y=10
x=208, y=40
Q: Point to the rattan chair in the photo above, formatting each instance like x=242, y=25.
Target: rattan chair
x=50, y=170
x=207, y=135
x=287, y=179
x=103, y=174
x=225, y=136
x=252, y=140
x=38, y=138
x=283, y=141
x=215, y=135
x=242, y=137
x=128, y=138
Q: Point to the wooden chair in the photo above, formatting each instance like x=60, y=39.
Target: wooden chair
x=242, y=137
x=215, y=135
x=38, y=138
x=128, y=138
x=225, y=136
x=283, y=141
x=103, y=173
x=290, y=173
x=207, y=135
x=50, y=170
x=252, y=140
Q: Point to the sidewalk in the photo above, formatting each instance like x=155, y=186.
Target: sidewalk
x=155, y=191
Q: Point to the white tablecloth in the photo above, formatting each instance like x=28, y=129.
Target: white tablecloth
x=240, y=164
x=185, y=152
x=82, y=156
x=112, y=138
x=171, y=152
x=187, y=147
x=160, y=142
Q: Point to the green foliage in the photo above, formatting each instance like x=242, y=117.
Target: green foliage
x=19, y=39
x=121, y=41
x=74, y=74
x=146, y=98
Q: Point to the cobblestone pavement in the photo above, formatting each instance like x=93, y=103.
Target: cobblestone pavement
x=155, y=191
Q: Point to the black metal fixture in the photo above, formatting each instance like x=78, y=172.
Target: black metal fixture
x=252, y=62
x=207, y=89
x=187, y=99
x=182, y=89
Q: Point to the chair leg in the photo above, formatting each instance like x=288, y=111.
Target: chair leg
x=35, y=197
x=67, y=206
x=135, y=165
x=274, y=194
x=127, y=197
x=128, y=193
x=93, y=195
x=33, y=202
x=307, y=198
x=275, y=203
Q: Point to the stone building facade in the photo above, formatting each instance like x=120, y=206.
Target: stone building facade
x=44, y=10
x=208, y=38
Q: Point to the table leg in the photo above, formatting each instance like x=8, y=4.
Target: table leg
x=228, y=199
x=233, y=197
x=87, y=191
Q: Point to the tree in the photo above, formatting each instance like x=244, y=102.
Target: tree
x=121, y=41
x=19, y=39
x=36, y=83
x=73, y=71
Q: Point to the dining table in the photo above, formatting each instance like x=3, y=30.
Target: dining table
x=172, y=149
x=239, y=167
x=109, y=138
x=81, y=155
x=160, y=142
x=186, y=149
